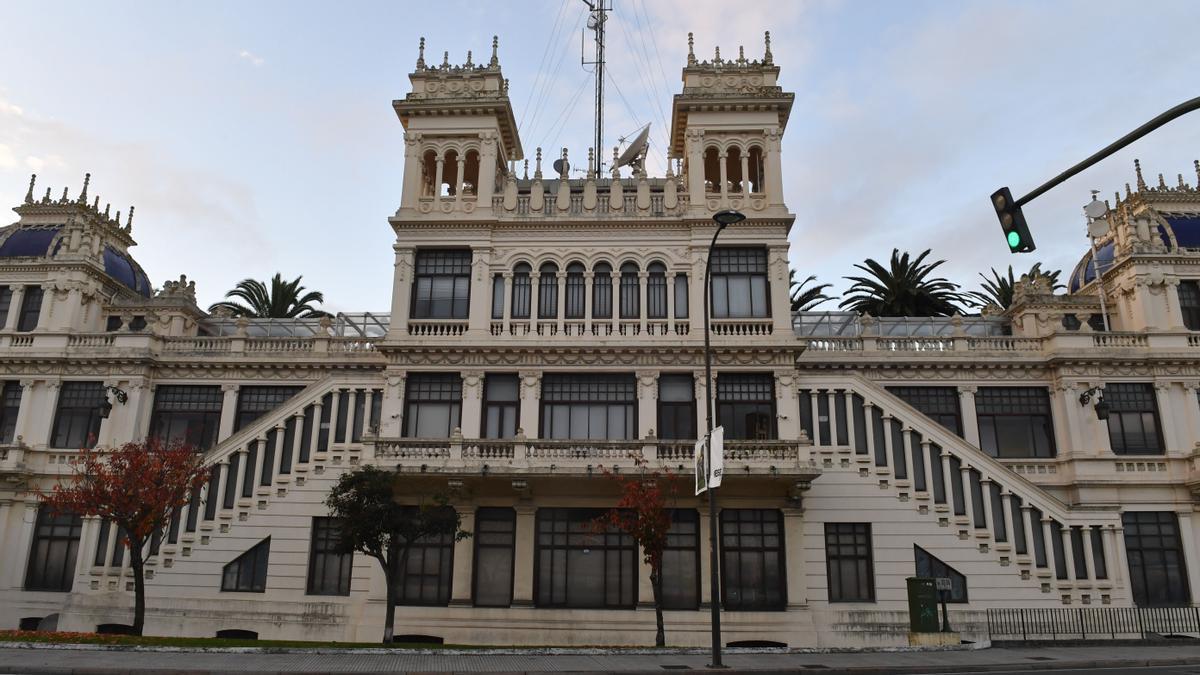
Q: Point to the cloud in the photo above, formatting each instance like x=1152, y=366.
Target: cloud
x=8, y=160
x=251, y=57
x=7, y=108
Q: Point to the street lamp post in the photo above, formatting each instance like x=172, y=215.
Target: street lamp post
x=723, y=219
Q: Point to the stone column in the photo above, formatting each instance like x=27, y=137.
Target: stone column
x=1191, y=556
x=404, y=268
x=461, y=590
x=723, y=160
x=928, y=459
x=21, y=432
x=1068, y=438
x=479, y=311
x=335, y=403
x=787, y=408
x=745, y=173
x=1068, y=551
x=5, y=512
x=459, y=179
x=968, y=497
x=647, y=393
x=643, y=298
x=970, y=422
x=1048, y=544
x=1027, y=525
x=1114, y=562
x=588, y=277
x=909, y=463
x=989, y=521
x=1192, y=406
x=38, y=431
x=471, y=420
x=14, y=308
x=531, y=392
x=23, y=545
x=228, y=411
x=793, y=540
x=1089, y=562
x=1008, y=517
x=437, y=177
x=1167, y=421
x=525, y=538
x=560, y=311
x=535, y=294
x=507, y=299
x=391, y=416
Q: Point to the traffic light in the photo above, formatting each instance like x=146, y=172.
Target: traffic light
x=1012, y=221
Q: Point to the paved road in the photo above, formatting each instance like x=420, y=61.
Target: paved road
x=1180, y=659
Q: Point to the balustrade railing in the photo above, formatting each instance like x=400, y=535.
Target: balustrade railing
x=575, y=206
x=422, y=328
x=742, y=327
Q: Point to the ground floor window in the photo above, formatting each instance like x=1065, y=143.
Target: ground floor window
x=848, y=561
x=931, y=567
x=1156, y=564
x=681, y=561
x=53, y=550
x=425, y=577
x=247, y=573
x=328, y=568
x=495, y=539
x=752, y=565
x=578, y=567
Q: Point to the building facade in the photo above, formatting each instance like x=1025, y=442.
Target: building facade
x=545, y=329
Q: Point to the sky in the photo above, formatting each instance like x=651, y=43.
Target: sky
x=256, y=137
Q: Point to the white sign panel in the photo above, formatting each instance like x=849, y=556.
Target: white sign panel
x=716, y=464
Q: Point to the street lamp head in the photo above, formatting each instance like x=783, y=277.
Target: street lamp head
x=728, y=217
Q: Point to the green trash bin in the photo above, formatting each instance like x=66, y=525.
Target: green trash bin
x=922, y=605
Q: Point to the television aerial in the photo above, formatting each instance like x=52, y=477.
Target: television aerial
x=635, y=154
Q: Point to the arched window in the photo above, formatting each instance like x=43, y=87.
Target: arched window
x=756, y=169
x=733, y=168
x=631, y=306
x=429, y=174
x=449, y=174
x=548, y=291
x=576, y=291
x=602, y=292
x=656, y=291
x=712, y=170
x=520, y=291
x=471, y=173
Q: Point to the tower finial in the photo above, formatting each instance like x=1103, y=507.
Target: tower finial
x=446, y=59
x=117, y=220
x=691, y=50
x=741, y=55
x=64, y=197
x=129, y=221
x=670, y=173
x=29, y=193
x=1128, y=192
x=717, y=57
x=526, y=176
x=46, y=199
x=537, y=167
x=96, y=203
x=495, y=62
x=87, y=178
x=1182, y=185
x=1196, y=163
x=1162, y=183
x=1137, y=168
x=616, y=169
x=421, y=55
x=106, y=210
x=469, y=64
x=768, y=58
x=591, y=170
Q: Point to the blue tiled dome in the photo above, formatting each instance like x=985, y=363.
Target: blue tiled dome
x=122, y=268
x=28, y=242
x=1182, y=231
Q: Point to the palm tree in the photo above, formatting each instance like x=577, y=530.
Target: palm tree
x=998, y=290
x=285, y=300
x=804, y=299
x=906, y=289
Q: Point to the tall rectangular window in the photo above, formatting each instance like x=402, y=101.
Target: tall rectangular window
x=328, y=568
x=188, y=414
x=31, y=307
x=1189, y=303
x=495, y=541
x=580, y=568
x=426, y=576
x=441, y=284
x=548, y=291
x=247, y=573
x=256, y=401
x=656, y=291
x=676, y=407
x=521, y=292
x=681, y=296
x=595, y=406
x=498, y=296
x=1015, y=422
x=432, y=405
x=501, y=405
x=53, y=550
x=753, y=572
x=849, y=562
x=77, y=419
x=939, y=404
x=740, y=289
x=576, y=292
x=681, y=561
x=1133, y=427
x=10, y=405
x=602, y=292
x=1157, y=572
x=746, y=405
x=5, y=304
x=631, y=292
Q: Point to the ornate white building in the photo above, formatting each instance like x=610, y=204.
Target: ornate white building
x=542, y=328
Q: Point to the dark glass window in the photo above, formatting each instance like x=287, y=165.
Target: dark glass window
x=10, y=405
x=328, y=568
x=248, y=572
x=521, y=292
x=1015, y=421
x=930, y=567
x=681, y=561
x=498, y=296
x=425, y=579
x=580, y=568
x=676, y=407
x=187, y=414
x=433, y=404
x=600, y=406
x=849, y=562
x=495, y=540
x=5, y=304
x=602, y=291
x=53, y=551
x=746, y=405
x=752, y=565
x=548, y=291
x=739, y=283
x=77, y=420
x=256, y=401
x=939, y=404
x=681, y=296
x=1133, y=419
x=631, y=291
x=31, y=306
x=1189, y=303
x=656, y=291
x=501, y=405
x=1156, y=563
x=576, y=292
x=442, y=284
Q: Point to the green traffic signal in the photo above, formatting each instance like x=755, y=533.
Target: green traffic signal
x=1012, y=222
x=1014, y=240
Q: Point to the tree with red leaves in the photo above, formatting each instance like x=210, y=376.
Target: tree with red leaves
x=642, y=513
x=138, y=486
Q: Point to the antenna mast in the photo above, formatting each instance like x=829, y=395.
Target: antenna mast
x=596, y=23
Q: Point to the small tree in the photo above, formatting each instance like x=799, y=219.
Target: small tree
x=138, y=486
x=375, y=523
x=641, y=513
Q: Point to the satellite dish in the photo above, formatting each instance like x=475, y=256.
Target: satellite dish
x=636, y=152
x=562, y=166
x=1096, y=211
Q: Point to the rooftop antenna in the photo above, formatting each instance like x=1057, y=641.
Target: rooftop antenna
x=1097, y=216
x=595, y=23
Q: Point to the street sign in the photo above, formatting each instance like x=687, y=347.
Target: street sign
x=709, y=473
x=943, y=583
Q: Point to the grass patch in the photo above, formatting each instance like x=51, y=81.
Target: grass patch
x=201, y=643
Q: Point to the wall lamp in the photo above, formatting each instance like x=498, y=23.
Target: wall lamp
x=1102, y=407
x=117, y=393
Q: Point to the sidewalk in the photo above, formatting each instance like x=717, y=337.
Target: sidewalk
x=78, y=660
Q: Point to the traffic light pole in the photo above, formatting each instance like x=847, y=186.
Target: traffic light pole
x=1178, y=111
